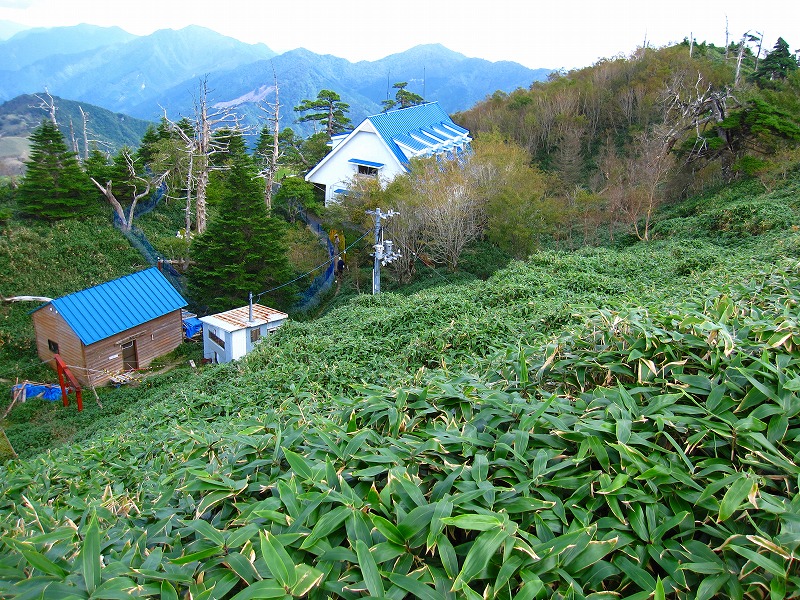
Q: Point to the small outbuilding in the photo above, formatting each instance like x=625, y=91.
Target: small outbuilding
x=232, y=334
x=116, y=326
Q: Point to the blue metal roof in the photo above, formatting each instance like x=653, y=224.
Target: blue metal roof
x=109, y=308
x=426, y=121
x=366, y=163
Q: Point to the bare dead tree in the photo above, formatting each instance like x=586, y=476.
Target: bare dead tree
x=137, y=183
x=72, y=138
x=85, y=117
x=647, y=172
x=48, y=104
x=201, y=146
x=727, y=37
x=696, y=108
x=760, y=42
x=270, y=170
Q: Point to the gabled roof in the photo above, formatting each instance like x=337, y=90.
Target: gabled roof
x=421, y=128
x=109, y=308
x=239, y=318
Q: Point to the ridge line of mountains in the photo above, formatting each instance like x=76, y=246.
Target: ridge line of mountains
x=138, y=75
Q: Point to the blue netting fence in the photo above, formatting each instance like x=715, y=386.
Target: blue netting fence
x=311, y=297
x=307, y=299
x=138, y=240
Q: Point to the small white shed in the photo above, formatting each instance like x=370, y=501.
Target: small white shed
x=232, y=334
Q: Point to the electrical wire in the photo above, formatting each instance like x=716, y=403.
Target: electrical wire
x=317, y=268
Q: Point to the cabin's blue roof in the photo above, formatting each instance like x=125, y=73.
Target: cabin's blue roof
x=419, y=127
x=109, y=308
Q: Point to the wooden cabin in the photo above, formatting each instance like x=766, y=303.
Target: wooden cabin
x=116, y=326
x=230, y=335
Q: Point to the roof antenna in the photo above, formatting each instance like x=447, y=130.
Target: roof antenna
x=423, y=82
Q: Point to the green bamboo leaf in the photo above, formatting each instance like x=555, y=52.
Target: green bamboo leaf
x=762, y=561
x=369, y=570
x=480, y=553
x=387, y=529
x=117, y=588
x=474, y=522
x=210, y=500
x=168, y=591
x=659, y=593
x=278, y=561
x=599, y=452
x=240, y=565
x=207, y=531
x=236, y=538
x=733, y=498
x=307, y=578
x=266, y=588
x=531, y=589
x=623, y=430
x=326, y=525
x=448, y=555
x=199, y=555
x=36, y=559
x=709, y=586
x=90, y=556
x=414, y=587
x=298, y=464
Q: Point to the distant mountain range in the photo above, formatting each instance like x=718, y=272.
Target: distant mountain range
x=107, y=130
x=143, y=75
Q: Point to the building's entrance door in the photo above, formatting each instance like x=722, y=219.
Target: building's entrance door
x=129, y=359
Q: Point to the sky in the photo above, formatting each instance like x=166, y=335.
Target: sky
x=553, y=34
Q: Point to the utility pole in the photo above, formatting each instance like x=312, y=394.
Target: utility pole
x=384, y=249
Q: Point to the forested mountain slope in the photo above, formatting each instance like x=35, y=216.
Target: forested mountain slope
x=613, y=421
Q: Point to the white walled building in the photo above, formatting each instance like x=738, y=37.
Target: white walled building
x=382, y=146
x=232, y=334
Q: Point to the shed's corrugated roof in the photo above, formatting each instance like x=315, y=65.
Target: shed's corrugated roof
x=239, y=318
x=427, y=123
x=109, y=308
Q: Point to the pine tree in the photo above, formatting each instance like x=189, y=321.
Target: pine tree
x=778, y=64
x=243, y=250
x=55, y=187
x=329, y=109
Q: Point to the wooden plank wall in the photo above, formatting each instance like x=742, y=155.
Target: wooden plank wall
x=50, y=325
x=99, y=361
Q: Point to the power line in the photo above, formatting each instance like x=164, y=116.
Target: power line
x=317, y=268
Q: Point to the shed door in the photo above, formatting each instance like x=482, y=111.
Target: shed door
x=129, y=359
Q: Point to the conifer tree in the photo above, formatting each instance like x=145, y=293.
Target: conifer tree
x=327, y=109
x=55, y=187
x=243, y=250
x=778, y=64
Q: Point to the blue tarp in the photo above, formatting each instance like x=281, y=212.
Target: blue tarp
x=192, y=326
x=48, y=392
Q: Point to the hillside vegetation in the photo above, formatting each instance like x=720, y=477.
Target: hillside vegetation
x=603, y=423
x=608, y=421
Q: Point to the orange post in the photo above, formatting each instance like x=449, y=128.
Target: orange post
x=65, y=373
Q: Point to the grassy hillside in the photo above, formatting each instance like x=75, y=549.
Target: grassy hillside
x=613, y=422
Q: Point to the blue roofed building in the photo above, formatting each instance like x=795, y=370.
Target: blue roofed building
x=117, y=326
x=383, y=145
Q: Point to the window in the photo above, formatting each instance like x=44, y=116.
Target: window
x=255, y=335
x=52, y=346
x=212, y=335
x=365, y=170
